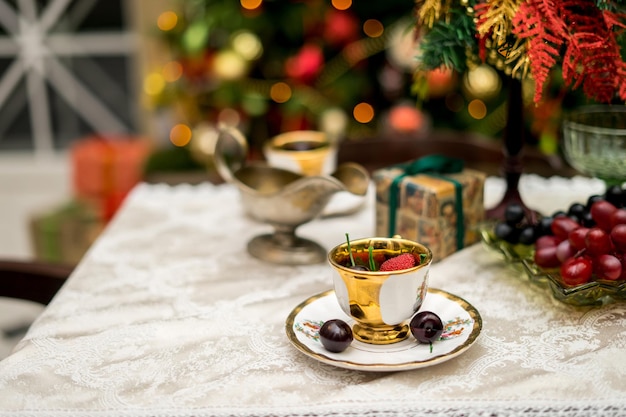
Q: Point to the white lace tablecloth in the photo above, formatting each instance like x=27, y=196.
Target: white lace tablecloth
x=168, y=315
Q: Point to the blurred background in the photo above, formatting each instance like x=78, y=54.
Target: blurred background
x=97, y=95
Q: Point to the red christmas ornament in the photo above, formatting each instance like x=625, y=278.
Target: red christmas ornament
x=306, y=65
x=341, y=27
x=404, y=118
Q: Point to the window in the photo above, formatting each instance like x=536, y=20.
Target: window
x=66, y=71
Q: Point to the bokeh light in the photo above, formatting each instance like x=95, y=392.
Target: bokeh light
x=251, y=4
x=172, y=71
x=167, y=20
x=477, y=109
x=280, y=92
x=341, y=4
x=482, y=82
x=334, y=121
x=248, y=45
x=229, y=117
x=202, y=144
x=153, y=84
x=180, y=135
x=406, y=118
x=228, y=65
x=373, y=28
x=363, y=113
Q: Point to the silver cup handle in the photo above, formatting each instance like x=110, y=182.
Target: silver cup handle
x=229, y=155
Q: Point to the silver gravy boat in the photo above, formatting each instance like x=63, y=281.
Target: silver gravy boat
x=282, y=199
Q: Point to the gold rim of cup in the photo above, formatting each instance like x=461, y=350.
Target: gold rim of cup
x=308, y=149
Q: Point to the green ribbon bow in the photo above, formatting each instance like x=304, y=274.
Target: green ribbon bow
x=433, y=165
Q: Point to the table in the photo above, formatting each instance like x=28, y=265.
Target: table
x=167, y=315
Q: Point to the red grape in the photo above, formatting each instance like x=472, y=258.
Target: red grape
x=546, y=257
x=565, y=250
x=577, y=237
x=562, y=226
x=598, y=242
x=547, y=241
x=618, y=217
x=607, y=267
x=618, y=237
x=622, y=259
x=601, y=212
x=576, y=271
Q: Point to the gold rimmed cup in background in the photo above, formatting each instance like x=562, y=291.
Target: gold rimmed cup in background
x=381, y=303
x=307, y=152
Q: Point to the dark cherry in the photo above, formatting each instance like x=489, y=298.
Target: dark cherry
x=514, y=214
x=577, y=210
x=615, y=195
x=426, y=327
x=528, y=235
x=545, y=226
x=587, y=220
x=336, y=335
x=506, y=232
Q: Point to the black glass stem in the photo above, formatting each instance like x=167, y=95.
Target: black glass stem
x=513, y=145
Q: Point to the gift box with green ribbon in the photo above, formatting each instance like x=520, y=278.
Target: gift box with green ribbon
x=433, y=200
x=64, y=233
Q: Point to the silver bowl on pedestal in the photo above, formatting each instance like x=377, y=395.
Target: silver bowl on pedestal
x=283, y=199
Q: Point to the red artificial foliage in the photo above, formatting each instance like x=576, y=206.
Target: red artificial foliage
x=592, y=57
x=544, y=40
x=583, y=35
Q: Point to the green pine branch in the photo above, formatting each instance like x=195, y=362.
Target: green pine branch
x=449, y=42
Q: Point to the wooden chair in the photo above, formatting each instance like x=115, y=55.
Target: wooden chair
x=32, y=280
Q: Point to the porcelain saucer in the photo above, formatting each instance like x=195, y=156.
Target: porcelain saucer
x=462, y=325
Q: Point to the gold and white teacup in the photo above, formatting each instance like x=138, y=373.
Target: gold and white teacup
x=306, y=152
x=381, y=303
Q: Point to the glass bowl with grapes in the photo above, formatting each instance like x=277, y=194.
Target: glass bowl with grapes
x=578, y=253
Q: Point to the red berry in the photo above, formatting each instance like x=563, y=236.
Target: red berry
x=607, y=267
x=547, y=241
x=618, y=237
x=601, y=212
x=546, y=257
x=404, y=261
x=577, y=237
x=576, y=271
x=598, y=242
x=618, y=217
x=565, y=250
x=622, y=259
x=562, y=226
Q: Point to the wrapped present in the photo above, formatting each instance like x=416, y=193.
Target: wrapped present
x=433, y=200
x=106, y=168
x=64, y=234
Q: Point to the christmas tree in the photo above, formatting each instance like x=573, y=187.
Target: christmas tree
x=274, y=66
